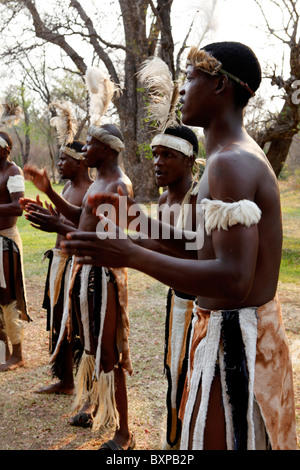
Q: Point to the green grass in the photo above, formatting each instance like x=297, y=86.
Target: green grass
x=290, y=264
x=35, y=242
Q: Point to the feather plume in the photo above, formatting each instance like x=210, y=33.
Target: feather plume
x=101, y=92
x=10, y=114
x=163, y=93
x=65, y=123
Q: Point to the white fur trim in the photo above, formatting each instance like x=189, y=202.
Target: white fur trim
x=2, y=275
x=206, y=354
x=222, y=215
x=208, y=371
x=84, y=306
x=65, y=316
x=248, y=325
x=13, y=323
x=16, y=184
x=102, y=317
x=52, y=277
x=180, y=307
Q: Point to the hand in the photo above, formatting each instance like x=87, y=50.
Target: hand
x=42, y=218
x=24, y=201
x=114, y=251
x=39, y=178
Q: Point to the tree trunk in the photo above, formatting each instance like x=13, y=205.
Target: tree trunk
x=137, y=157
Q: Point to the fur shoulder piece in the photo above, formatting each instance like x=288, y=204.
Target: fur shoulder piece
x=222, y=215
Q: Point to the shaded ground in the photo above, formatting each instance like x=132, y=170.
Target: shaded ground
x=29, y=421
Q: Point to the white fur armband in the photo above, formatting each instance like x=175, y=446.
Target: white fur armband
x=16, y=184
x=222, y=215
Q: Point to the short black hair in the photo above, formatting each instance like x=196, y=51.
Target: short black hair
x=185, y=133
x=239, y=60
x=76, y=145
x=7, y=139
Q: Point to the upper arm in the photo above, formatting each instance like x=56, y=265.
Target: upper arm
x=237, y=245
x=15, y=183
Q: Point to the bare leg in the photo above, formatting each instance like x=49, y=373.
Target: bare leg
x=15, y=359
x=109, y=361
x=66, y=384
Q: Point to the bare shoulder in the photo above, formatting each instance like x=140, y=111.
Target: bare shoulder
x=237, y=172
x=124, y=182
x=66, y=187
x=13, y=170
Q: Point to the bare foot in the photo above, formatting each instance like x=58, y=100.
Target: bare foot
x=119, y=442
x=84, y=418
x=11, y=364
x=58, y=387
x=127, y=442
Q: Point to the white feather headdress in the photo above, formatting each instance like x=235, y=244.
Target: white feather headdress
x=65, y=122
x=163, y=93
x=101, y=92
x=10, y=114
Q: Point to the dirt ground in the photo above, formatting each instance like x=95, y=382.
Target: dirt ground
x=30, y=421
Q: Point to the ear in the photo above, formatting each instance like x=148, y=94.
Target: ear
x=221, y=85
x=189, y=161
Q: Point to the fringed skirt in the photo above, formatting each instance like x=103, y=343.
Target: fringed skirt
x=250, y=349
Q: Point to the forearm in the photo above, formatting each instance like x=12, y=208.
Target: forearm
x=10, y=209
x=71, y=212
x=64, y=228
x=205, y=278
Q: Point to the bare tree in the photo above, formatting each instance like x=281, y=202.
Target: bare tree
x=145, y=30
x=277, y=132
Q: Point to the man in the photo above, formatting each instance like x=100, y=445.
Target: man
x=174, y=154
x=239, y=363
x=13, y=307
x=71, y=166
x=99, y=297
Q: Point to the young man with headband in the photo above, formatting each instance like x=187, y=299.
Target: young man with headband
x=98, y=296
x=72, y=167
x=239, y=362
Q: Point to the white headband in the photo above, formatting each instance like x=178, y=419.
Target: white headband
x=3, y=143
x=173, y=142
x=106, y=137
x=72, y=153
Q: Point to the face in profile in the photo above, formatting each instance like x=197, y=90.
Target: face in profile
x=93, y=151
x=66, y=166
x=195, y=97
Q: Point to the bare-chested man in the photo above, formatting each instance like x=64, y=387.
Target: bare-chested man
x=12, y=286
x=174, y=153
x=71, y=166
x=99, y=296
x=239, y=392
